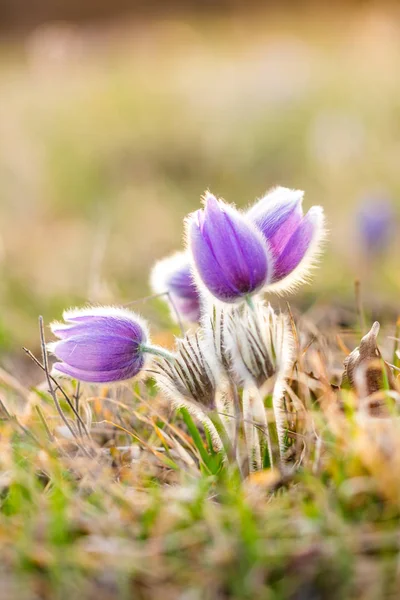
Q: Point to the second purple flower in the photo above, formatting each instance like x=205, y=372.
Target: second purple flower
x=294, y=239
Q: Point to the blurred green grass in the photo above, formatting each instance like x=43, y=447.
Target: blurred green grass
x=107, y=139
x=110, y=136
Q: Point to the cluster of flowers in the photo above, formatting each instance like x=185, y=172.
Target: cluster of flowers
x=232, y=257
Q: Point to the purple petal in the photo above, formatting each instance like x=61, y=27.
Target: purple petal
x=229, y=256
x=189, y=308
x=98, y=325
x=181, y=283
x=98, y=352
x=100, y=376
x=174, y=275
x=208, y=267
x=278, y=215
x=297, y=246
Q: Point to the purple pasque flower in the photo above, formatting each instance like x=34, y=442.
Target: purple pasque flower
x=174, y=275
x=375, y=222
x=230, y=256
x=294, y=239
x=100, y=344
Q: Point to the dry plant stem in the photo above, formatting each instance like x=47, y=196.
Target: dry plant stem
x=49, y=382
x=13, y=418
x=51, y=388
x=77, y=399
x=44, y=422
x=59, y=388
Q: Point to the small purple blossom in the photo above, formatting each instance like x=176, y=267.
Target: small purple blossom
x=100, y=344
x=230, y=256
x=174, y=275
x=293, y=238
x=375, y=219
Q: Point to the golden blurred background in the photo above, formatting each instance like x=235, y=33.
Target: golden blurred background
x=112, y=125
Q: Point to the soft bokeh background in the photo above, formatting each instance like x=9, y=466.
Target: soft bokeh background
x=111, y=129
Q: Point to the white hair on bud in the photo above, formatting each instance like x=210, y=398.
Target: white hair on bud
x=214, y=330
x=189, y=375
x=260, y=344
x=274, y=197
x=250, y=339
x=189, y=383
x=72, y=315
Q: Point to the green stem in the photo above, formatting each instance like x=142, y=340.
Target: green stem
x=249, y=302
x=158, y=351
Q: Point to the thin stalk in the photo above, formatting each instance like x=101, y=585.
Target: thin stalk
x=264, y=423
x=251, y=433
x=238, y=417
x=158, y=351
x=44, y=423
x=77, y=401
x=359, y=306
x=249, y=302
x=171, y=301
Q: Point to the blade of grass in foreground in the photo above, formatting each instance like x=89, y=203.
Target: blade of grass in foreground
x=208, y=460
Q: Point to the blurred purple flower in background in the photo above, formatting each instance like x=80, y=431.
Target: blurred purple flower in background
x=174, y=275
x=99, y=344
x=230, y=256
x=375, y=220
x=294, y=239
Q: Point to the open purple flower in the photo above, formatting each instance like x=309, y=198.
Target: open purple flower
x=293, y=238
x=375, y=222
x=100, y=344
x=230, y=256
x=174, y=275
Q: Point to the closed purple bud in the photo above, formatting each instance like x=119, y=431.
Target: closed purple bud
x=375, y=224
x=99, y=344
x=230, y=256
x=173, y=275
x=294, y=239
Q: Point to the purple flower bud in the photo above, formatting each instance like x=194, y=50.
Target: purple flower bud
x=375, y=220
x=230, y=256
x=294, y=239
x=174, y=275
x=100, y=344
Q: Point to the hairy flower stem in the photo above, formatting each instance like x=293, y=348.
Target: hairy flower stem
x=158, y=351
x=238, y=418
x=251, y=433
x=225, y=439
x=263, y=422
